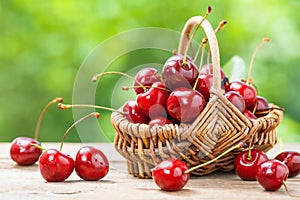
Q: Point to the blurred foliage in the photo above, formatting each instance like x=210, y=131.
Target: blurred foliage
x=44, y=43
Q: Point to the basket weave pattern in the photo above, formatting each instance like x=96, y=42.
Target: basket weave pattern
x=218, y=127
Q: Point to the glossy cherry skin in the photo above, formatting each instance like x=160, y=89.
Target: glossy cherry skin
x=249, y=114
x=236, y=99
x=185, y=104
x=146, y=77
x=91, y=164
x=169, y=174
x=247, y=91
x=135, y=114
x=177, y=74
x=261, y=104
x=292, y=160
x=55, y=166
x=159, y=121
x=246, y=167
x=23, y=153
x=153, y=102
x=208, y=69
x=204, y=84
x=271, y=174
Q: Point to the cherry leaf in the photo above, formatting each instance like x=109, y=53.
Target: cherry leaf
x=235, y=68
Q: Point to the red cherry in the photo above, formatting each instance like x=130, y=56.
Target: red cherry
x=204, y=84
x=247, y=91
x=91, y=164
x=272, y=174
x=249, y=114
x=176, y=73
x=21, y=150
x=153, y=101
x=185, y=104
x=179, y=56
x=246, y=164
x=55, y=166
x=169, y=174
x=146, y=77
x=135, y=114
x=23, y=153
x=159, y=121
x=261, y=105
x=208, y=69
x=292, y=160
x=236, y=99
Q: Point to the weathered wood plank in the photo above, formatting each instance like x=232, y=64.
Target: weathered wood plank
x=27, y=183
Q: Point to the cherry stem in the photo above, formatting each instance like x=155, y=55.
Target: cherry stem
x=131, y=87
x=93, y=114
x=253, y=56
x=62, y=106
x=96, y=77
x=209, y=9
x=204, y=42
x=56, y=100
x=220, y=27
x=286, y=189
x=216, y=158
x=38, y=146
x=213, y=42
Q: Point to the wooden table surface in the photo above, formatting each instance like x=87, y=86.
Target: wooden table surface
x=18, y=182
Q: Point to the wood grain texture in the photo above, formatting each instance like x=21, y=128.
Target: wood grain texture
x=26, y=182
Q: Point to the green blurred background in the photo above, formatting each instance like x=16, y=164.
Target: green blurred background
x=44, y=43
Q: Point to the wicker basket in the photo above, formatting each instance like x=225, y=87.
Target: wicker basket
x=218, y=127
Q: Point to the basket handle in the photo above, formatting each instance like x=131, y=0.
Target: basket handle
x=213, y=42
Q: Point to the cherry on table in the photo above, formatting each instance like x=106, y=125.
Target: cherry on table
x=169, y=174
x=173, y=174
x=272, y=174
x=55, y=166
x=246, y=163
x=292, y=160
x=23, y=150
x=91, y=164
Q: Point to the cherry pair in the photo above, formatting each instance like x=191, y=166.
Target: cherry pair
x=90, y=163
x=254, y=164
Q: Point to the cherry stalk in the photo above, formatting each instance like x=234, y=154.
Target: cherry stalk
x=94, y=114
x=22, y=151
x=209, y=9
x=56, y=100
x=216, y=158
x=253, y=56
x=62, y=106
